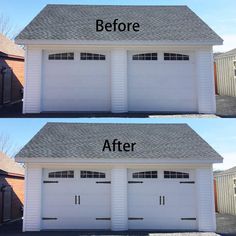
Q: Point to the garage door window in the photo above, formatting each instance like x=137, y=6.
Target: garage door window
x=61, y=56
x=61, y=174
x=92, y=174
x=84, y=56
x=145, y=175
x=175, y=57
x=146, y=57
x=175, y=175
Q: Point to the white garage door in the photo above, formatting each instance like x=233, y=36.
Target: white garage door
x=76, y=199
x=160, y=84
x=155, y=202
x=76, y=81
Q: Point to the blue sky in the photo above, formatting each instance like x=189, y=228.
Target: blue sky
x=220, y=15
x=219, y=133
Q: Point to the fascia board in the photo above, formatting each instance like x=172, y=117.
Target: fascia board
x=119, y=42
x=114, y=161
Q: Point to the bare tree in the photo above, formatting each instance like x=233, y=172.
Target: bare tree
x=6, y=27
x=7, y=146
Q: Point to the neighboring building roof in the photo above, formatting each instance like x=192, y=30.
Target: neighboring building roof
x=157, y=23
x=227, y=172
x=226, y=54
x=8, y=47
x=216, y=54
x=85, y=141
x=8, y=165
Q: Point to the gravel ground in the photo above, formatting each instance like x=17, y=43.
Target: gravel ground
x=226, y=106
x=185, y=234
x=226, y=224
x=184, y=116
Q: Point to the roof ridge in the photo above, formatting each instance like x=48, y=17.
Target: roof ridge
x=110, y=5
x=117, y=123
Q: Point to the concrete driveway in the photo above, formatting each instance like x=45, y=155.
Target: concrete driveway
x=226, y=226
x=225, y=108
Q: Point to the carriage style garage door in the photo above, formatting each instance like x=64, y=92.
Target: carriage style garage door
x=76, y=199
x=159, y=81
x=76, y=81
x=158, y=200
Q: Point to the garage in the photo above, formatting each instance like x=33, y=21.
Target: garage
x=165, y=183
x=76, y=199
x=162, y=199
x=76, y=81
x=161, y=81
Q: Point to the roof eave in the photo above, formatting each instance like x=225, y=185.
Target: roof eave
x=60, y=160
x=119, y=42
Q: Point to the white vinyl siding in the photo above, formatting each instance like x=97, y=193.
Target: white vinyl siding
x=33, y=79
x=205, y=196
x=205, y=82
x=32, y=204
x=119, y=212
x=118, y=83
x=119, y=80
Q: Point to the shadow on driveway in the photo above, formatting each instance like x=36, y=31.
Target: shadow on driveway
x=15, y=229
x=225, y=108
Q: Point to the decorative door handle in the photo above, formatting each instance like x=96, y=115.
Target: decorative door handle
x=162, y=200
x=77, y=199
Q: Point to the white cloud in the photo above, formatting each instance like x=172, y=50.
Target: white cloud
x=229, y=43
x=229, y=161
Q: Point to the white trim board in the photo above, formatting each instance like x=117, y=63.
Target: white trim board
x=120, y=42
x=114, y=161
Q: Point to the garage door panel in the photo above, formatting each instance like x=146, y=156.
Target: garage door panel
x=144, y=202
x=76, y=85
x=59, y=202
x=74, y=224
x=150, y=84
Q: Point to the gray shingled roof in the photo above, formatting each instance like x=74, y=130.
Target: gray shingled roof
x=157, y=23
x=85, y=141
x=231, y=171
x=226, y=54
